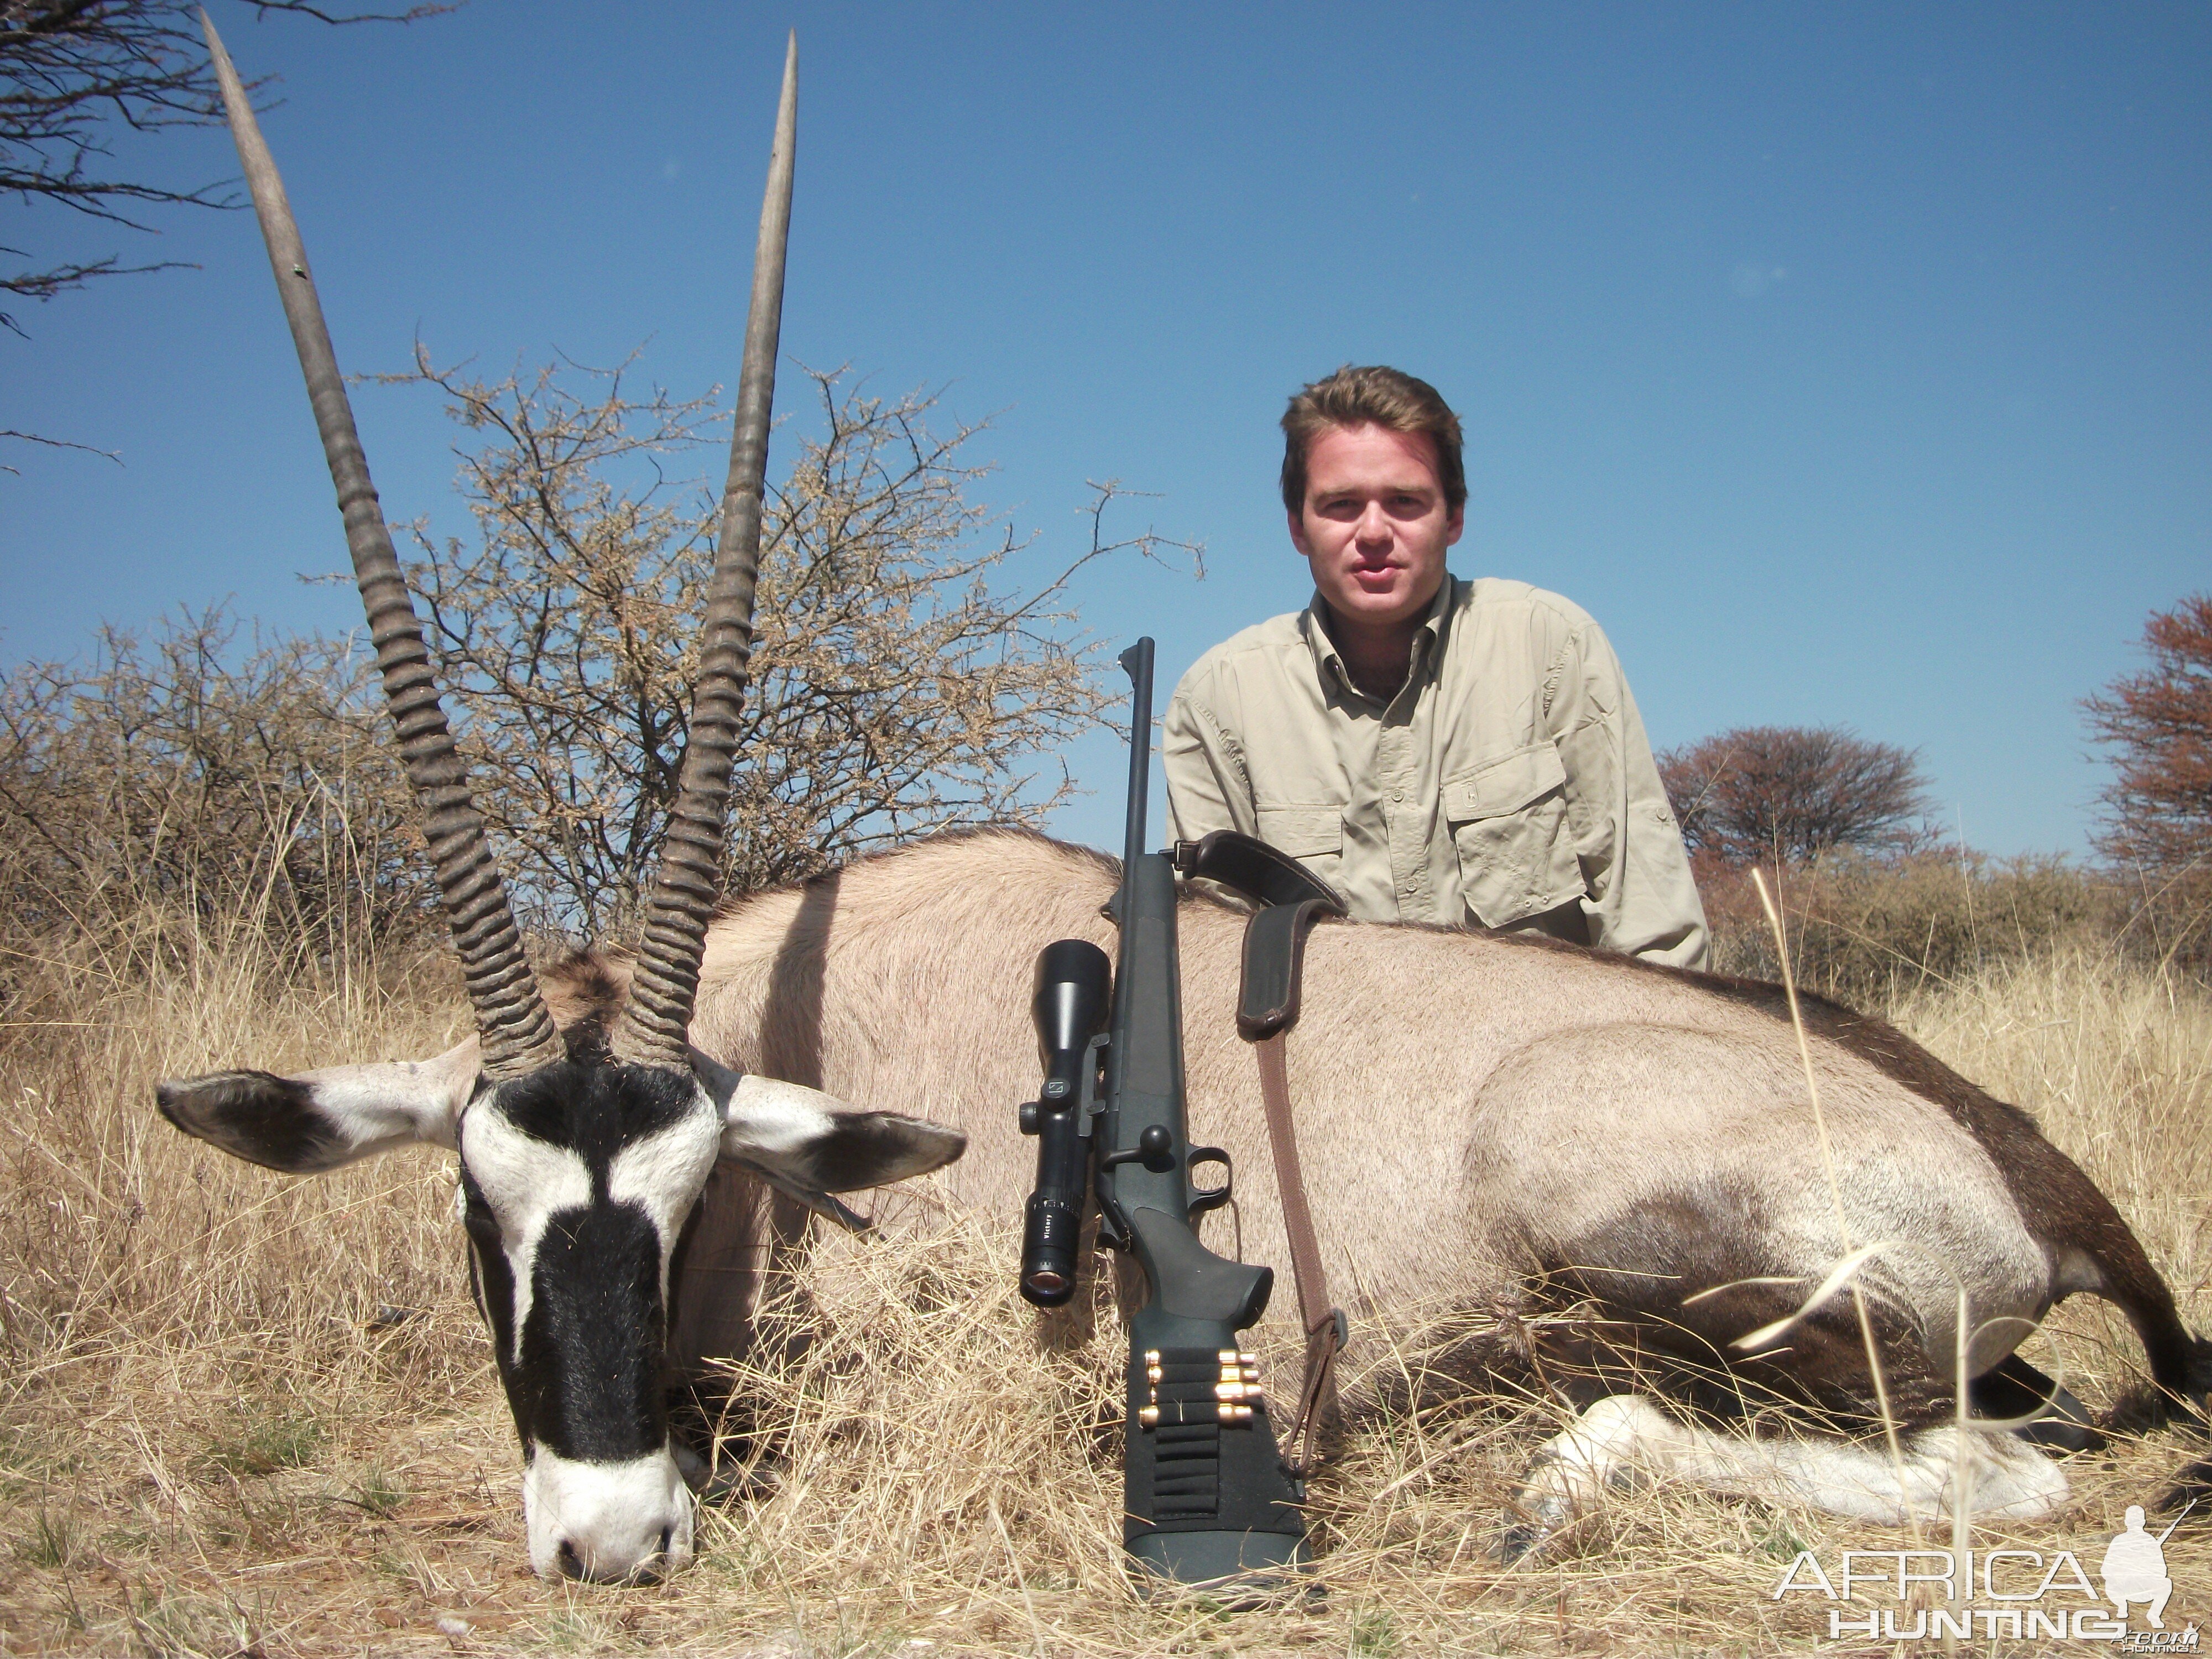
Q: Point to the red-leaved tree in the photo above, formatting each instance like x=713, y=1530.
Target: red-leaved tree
x=2158, y=725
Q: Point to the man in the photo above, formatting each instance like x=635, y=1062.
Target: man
x=1448, y=751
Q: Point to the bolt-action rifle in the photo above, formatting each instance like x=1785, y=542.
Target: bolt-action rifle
x=1207, y=1497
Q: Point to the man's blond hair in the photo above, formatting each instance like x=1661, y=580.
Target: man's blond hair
x=1370, y=396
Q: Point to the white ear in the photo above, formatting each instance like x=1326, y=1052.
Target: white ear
x=810, y=1144
x=321, y=1119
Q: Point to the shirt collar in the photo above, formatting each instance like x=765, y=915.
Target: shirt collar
x=1313, y=622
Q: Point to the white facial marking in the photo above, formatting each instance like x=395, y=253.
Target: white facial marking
x=613, y=1517
x=663, y=1173
x=524, y=1180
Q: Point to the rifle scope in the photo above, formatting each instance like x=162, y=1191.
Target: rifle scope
x=1069, y=1006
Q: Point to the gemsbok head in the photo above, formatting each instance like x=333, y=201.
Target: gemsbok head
x=581, y=1153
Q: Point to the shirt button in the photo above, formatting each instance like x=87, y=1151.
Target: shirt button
x=1397, y=794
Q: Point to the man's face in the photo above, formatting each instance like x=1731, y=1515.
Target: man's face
x=1375, y=525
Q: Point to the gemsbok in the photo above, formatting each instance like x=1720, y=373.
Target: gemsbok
x=581, y=1153
x=1610, y=1174
x=1600, y=1174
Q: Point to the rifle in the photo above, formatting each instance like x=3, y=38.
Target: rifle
x=1207, y=1497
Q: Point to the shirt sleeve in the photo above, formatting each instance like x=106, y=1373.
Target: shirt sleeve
x=1207, y=786
x=1639, y=896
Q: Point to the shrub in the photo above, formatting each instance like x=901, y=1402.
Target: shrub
x=1866, y=930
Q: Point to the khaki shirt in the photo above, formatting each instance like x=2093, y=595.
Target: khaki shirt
x=1508, y=784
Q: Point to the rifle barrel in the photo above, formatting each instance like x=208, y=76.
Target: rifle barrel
x=1138, y=661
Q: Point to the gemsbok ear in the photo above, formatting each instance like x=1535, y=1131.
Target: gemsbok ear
x=319, y=1120
x=810, y=1145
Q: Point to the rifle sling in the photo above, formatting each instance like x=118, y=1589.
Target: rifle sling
x=1268, y=1006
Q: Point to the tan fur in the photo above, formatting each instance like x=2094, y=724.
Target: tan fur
x=1470, y=1108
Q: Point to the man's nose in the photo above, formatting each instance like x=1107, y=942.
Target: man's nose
x=1373, y=526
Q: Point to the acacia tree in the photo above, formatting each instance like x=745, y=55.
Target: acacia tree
x=898, y=686
x=72, y=73
x=2158, y=724
x=1793, y=792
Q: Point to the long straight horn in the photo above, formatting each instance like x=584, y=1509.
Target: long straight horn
x=683, y=894
x=518, y=1033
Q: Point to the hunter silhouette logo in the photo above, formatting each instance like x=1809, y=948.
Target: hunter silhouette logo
x=2135, y=1568
x=2014, y=1593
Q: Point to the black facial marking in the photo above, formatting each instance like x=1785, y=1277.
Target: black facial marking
x=256, y=1116
x=596, y=1110
x=491, y=1277
x=590, y=1378
x=585, y=1379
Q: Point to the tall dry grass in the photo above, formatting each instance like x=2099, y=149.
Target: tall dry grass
x=246, y=1414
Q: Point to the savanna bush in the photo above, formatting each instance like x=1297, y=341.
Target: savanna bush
x=1865, y=930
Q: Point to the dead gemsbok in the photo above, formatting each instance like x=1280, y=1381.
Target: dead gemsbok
x=1600, y=1175
x=581, y=1155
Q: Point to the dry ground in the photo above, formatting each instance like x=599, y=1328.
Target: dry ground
x=240, y=1412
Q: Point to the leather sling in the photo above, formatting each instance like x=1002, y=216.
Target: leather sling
x=1291, y=899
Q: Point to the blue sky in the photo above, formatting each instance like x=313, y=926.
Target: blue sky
x=1849, y=363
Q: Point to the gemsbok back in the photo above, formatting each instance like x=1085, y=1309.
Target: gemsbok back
x=581, y=1153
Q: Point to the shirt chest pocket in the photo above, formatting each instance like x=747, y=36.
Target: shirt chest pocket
x=1303, y=832
x=1508, y=815
x=1313, y=835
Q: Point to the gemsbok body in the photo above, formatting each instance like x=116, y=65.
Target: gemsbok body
x=582, y=1151
x=1496, y=1132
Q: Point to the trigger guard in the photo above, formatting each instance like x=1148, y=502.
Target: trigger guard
x=1206, y=1199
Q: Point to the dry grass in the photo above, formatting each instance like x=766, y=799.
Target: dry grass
x=245, y=1414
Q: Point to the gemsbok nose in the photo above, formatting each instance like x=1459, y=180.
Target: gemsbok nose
x=607, y=1522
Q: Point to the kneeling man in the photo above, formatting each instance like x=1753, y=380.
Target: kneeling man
x=1440, y=751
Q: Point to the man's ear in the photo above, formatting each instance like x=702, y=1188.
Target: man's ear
x=810, y=1143
x=319, y=1120
x=1298, y=521
x=1455, y=525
